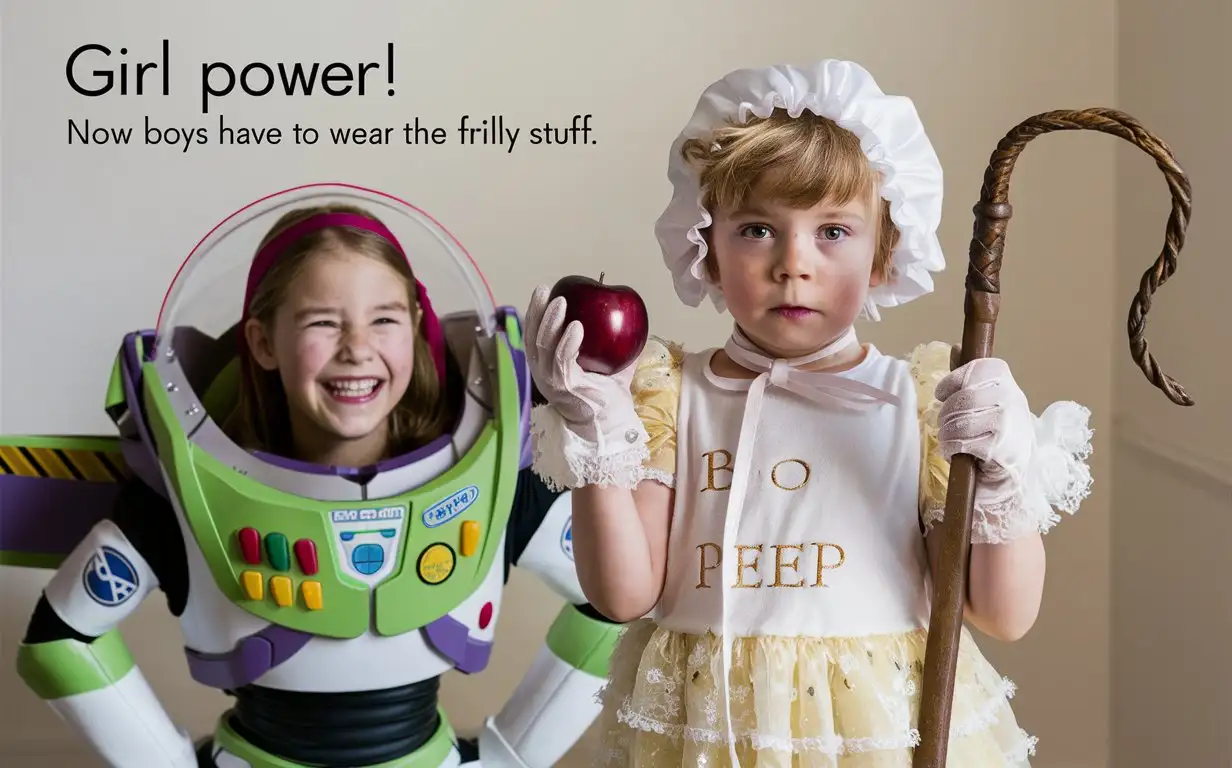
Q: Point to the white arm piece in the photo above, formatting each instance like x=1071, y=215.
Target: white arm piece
x=95, y=687
x=557, y=700
x=127, y=725
x=548, y=712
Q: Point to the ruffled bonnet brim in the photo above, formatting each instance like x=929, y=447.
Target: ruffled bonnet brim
x=891, y=135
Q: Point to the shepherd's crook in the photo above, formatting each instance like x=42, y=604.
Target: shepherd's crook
x=992, y=214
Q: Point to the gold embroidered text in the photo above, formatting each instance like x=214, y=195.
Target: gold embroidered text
x=711, y=468
x=787, y=475
x=774, y=475
x=701, y=561
x=826, y=556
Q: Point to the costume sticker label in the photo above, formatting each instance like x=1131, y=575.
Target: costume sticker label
x=367, y=515
x=109, y=578
x=450, y=507
x=436, y=563
x=566, y=538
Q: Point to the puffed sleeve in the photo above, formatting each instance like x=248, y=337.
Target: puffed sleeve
x=656, y=398
x=930, y=363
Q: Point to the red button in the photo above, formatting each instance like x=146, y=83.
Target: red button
x=485, y=615
x=250, y=546
x=306, y=554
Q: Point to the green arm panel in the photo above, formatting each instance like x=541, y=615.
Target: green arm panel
x=513, y=333
x=69, y=667
x=115, y=385
x=583, y=642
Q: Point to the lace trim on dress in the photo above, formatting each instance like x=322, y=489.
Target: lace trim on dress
x=829, y=745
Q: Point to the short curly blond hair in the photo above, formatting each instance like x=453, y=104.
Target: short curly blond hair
x=798, y=162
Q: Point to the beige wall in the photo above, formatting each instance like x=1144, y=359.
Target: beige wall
x=974, y=69
x=1172, y=483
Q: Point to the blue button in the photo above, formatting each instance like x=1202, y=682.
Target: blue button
x=368, y=558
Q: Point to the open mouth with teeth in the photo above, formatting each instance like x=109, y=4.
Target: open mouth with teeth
x=354, y=390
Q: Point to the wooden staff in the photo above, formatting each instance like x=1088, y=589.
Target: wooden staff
x=992, y=214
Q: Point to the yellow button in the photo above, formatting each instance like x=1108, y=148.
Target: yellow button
x=311, y=591
x=436, y=563
x=253, y=586
x=470, y=537
x=281, y=587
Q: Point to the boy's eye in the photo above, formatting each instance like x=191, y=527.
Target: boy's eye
x=756, y=231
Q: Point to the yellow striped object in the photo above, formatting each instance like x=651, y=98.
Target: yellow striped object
x=63, y=463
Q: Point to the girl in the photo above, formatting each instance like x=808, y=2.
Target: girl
x=346, y=361
x=344, y=364
x=765, y=507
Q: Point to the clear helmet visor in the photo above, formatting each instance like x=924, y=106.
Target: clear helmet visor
x=199, y=336
x=207, y=294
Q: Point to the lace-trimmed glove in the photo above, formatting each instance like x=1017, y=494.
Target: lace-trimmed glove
x=588, y=433
x=1027, y=467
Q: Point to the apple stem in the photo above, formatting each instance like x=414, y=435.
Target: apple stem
x=601, y=274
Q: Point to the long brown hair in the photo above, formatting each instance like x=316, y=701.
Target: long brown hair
x=261, y=419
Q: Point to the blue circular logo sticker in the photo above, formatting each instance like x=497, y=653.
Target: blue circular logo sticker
x=566, y=538
x=109, y=578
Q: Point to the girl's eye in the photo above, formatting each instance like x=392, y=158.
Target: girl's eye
x=756, y=231
x=833, y=233
x=385, y=320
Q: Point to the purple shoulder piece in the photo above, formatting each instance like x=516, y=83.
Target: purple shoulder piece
x=135, y=441
x=522, y=370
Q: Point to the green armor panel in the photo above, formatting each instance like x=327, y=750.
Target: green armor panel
x=436, y=567
x=63, y=668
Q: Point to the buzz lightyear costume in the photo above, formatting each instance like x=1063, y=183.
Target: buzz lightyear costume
x=327, y=601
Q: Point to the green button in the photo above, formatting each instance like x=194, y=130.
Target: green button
x=278, y=551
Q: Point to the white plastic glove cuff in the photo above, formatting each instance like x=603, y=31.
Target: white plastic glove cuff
x=564, y=459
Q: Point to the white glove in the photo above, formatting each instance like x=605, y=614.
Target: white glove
x=589, y=433
x=984, y=413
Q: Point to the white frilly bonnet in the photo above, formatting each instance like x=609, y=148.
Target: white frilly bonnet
x=890, y=134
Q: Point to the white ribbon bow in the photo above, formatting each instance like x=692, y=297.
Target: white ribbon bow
x=824, y=389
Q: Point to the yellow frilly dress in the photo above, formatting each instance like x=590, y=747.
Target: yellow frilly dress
x=797, y=702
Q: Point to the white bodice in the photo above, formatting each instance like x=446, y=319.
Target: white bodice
x=830, y=541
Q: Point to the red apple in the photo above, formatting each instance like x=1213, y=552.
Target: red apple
x=614, y=321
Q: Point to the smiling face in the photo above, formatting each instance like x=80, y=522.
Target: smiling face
x=795, y=278
x=342, y=342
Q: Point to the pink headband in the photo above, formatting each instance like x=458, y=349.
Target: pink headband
x=266, y=256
